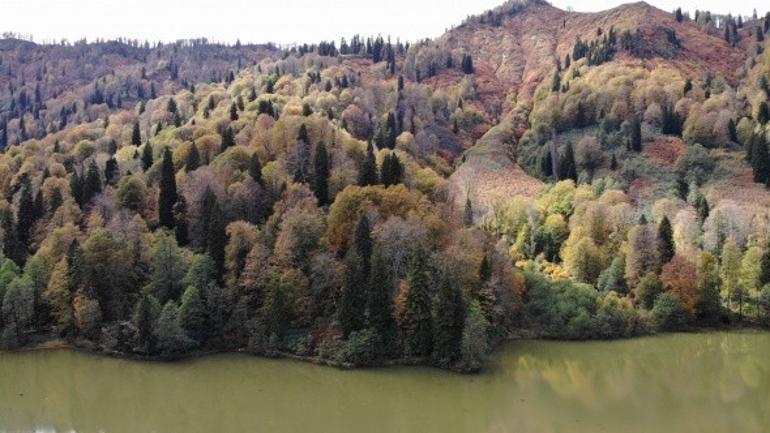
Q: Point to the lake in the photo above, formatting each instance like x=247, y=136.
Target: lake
x=712, y=382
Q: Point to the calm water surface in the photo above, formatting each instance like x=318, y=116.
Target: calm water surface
x=716, y=382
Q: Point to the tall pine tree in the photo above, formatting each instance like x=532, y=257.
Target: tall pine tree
x=367, y=175
x=321, y=174
x=168, y=194
x=417, y=319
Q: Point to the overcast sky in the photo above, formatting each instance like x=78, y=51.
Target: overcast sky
x=281, y=21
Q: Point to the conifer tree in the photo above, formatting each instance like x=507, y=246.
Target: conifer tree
x=636, y=135
x=367, y=175
x=759, y=159
x=136, y=135
x=147, y=158
x=213, y=225
x=168, y=195
x=228, y=139
x=255, y=168
x=468, y=212
x=568, y=167
x=321, y=174
x=417, y=319
x=763, y=113
x=193, y=159
x=449, y=321
x=665, y=241
x=351, y=307
x=233, y=112
x=92, y=185
x=379, y=305
x=392, y=171
x=26, y=215
x=181, y=229
x=145, y=314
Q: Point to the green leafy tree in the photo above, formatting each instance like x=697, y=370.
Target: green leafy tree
x=669, y=313
x=132, y=193
x=170, y=336
x=474, y=339
x=192, y=314
x=18, y=311
x=710, y=304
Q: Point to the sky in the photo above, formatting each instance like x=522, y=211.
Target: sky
x=280, y=21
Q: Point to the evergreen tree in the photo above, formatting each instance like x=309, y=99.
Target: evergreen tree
x=213, y=226
x=111, y=173
x=764, y=276
x=302, y=134
x=379, y=305
x=13, y=248
x=181, y=229
x=763, y=113
x=568, y=167
x=485, y=269
x=233, y=112
x=636, y=135
x=665, y=240
x=417, y=319
x=448, y=323
x=351, y=307
x=468, y=212
x=193, y=159
x=367, y=175
x=392, y=170
x=92, y=185
x=759, y=159
x=228, y=139
x=678, y=15
x=147, y=158
x=255, y=168
x=171, y=106
x=363, y=244
x=136, y=135
x=143, y=320
x=321, y=174
x=168, y=195
x=26, y=214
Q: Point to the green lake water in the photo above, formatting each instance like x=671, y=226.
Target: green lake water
x=714, y=382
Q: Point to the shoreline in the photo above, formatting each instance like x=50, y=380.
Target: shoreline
x=525, y=335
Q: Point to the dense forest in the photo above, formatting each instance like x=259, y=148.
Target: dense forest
x=344, y=201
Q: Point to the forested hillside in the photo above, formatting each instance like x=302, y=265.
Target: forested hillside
x=532, y=172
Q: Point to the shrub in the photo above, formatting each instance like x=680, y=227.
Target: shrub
x=669, y=312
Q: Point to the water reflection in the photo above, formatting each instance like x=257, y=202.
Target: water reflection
x=675, y=383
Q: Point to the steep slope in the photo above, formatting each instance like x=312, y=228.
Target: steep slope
x=518, y=46
x=532, y=37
